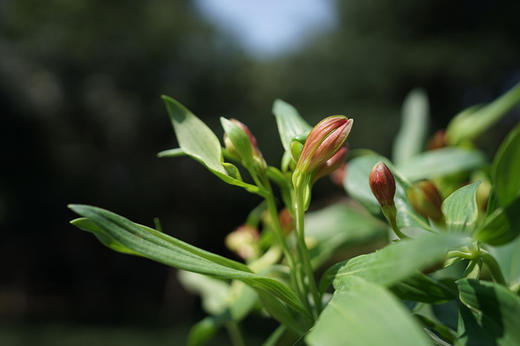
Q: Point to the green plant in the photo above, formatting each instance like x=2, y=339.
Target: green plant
x=452, y=255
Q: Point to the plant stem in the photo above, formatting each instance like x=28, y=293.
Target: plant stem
x=235, y=334
x=293, y=270
x=304, y=252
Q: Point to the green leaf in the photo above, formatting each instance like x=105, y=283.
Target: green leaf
x=508, y=257
x=365, y=315
x=495, y=308
x=291, y=125
x=340, y=225
x=200, y=143
x=501, y=226
x=441, y=162
x=400, y=260
x=460, y=208
x=422, y=288
x=170, y=251
x=414, y=125
x=204, y=330
x=357, y=185
x=195, y=138
x=175, y=152
x=506, y=168
x=472, y=122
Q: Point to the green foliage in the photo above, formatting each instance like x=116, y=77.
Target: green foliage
x=416, y=265
x=365, y=314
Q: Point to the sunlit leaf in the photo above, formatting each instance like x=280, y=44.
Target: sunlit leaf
x=291, y=125
x=469, y=124
x=508, y=257
x=506, y=169
x=414, y=126
x=441, y=162
x=400, y=260
x=170, y=251
x=460, y=208
x=501, y=226
x=365, y=315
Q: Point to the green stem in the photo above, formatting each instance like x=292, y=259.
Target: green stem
x=273, y=212
x=235, y=334
x=304, y=252
x=390, y=215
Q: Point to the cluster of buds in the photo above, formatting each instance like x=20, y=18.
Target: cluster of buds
x=244, y=242
x=323, y=151
x=241, y=144
x=426, y=200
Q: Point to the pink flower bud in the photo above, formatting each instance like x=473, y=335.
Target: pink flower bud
x=382, y=184
x=426, y=200
x=323, y=142
x=437, y=141
x=286, y=221
x=244, y=242
x=331, y=164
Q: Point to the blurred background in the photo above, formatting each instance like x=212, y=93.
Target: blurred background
x=82, y=121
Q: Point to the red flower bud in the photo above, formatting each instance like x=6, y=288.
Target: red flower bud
x=323, y=142
x=382, y=184
x=437, y=141
x=338, y=176
x=426, y=200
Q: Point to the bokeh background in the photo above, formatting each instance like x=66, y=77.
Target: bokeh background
x=82, y=121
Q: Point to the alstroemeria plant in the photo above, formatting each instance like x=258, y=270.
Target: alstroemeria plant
x=446, y=270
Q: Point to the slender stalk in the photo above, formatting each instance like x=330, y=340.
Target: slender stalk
x=293, y=270
x=304, y=252
x=235, y=334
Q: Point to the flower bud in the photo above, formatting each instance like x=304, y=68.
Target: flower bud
x=323, y=142
x=244, y=242
x=240, y=142
x=437, y=141
x=331, y=164
x=286, y=221
x=426, y=200
x=382, y=184
x=338, y=176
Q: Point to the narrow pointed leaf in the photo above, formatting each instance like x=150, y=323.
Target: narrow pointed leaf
x=291, y=125
x=441, y=162
x=414, y=125
x=399, y=261
x=170, y=251
x=470, y=124
x=506, y=168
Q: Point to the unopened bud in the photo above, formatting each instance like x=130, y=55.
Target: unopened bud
x=244, y=242
x=331, y=164
x=382, y=184
x=322, y=143
x=437, y=141
x=338, y=176
x=286, y=221
x=240, y=142
x=426, y=200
